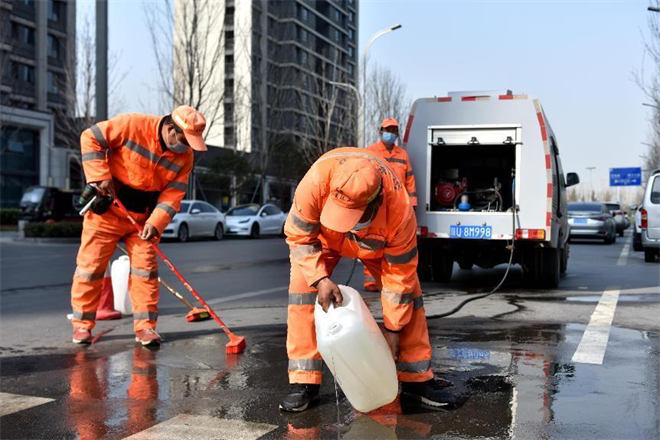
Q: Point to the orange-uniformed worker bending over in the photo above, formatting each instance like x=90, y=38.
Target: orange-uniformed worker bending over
x=351, y=204
x=144, y=161
x=397, y=159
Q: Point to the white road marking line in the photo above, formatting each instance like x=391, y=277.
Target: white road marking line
x=11, y=403
x=186, y=426
x=591, y=349
x=623, y=258
x=247, y=295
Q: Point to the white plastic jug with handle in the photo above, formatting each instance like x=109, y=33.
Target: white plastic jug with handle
x=119, y=271
x=356, y=352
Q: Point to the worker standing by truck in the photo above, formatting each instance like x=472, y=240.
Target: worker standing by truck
x=397, y=158
x=350, y=204
x=144, y=161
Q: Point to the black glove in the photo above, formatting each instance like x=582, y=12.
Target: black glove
x=101, y=204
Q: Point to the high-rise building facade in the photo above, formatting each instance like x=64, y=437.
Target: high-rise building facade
x=37, y=42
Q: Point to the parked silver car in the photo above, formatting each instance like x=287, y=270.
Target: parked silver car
x=650, y=221
x=591, y=220
x=196, y=219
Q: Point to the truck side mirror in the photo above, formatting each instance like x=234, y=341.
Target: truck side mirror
x=572, y=179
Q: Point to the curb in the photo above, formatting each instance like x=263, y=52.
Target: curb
x=42, y=240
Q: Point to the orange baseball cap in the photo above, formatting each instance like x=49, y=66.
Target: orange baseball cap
x=193, y=124
x=354, y=184
x=389, y=122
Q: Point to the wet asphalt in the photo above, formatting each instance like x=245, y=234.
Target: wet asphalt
x=508, y=361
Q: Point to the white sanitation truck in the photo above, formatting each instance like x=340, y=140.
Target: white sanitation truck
x=477, y=156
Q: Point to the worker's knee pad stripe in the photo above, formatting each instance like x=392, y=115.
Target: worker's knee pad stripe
x=181, y=186
x=98, y=135
x=300, y=252
x=302, y=299
x=414, y=367
x=304, y=226
x=94, y=155
x=84, y=316
x=88, y=276
x=403, y=258
x=366, y=243
x=150, y=275
x=412, y=194
x=418, y=303
x=167, y=208
x=395, y=160
x=151, y=316
x=397, y=298
x=306, y=364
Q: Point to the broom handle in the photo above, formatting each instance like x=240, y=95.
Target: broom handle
x=194, y=293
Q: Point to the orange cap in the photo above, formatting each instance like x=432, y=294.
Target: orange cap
x=193, y=124
x=354, y=184
x=389, y=122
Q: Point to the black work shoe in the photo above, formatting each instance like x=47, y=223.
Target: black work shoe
x=300, y=397
x=427, y=393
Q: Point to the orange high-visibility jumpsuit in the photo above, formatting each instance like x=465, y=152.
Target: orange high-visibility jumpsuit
x=127, y=148
x=388, y=246
x=397, y=158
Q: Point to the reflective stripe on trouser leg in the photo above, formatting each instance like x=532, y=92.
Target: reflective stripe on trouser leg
x=414, y=363
x=143, y=282
x=372, y=273
x=96, y=248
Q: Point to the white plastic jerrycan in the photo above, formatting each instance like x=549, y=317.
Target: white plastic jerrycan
x=356, y=352
x=119, y=271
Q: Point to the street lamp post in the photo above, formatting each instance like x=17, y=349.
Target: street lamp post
x=591, y=183
x=361, y=116
x=653, y=9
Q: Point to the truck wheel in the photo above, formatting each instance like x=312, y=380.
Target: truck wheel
x=564, y=258
x=637, y=242
x=465, y=265
x=649, y=255
x=423, y=266
x=442, y=266
x=551, y=268
x=621, y=233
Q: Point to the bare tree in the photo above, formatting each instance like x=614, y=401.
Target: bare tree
x=385, y=97
x=650, y=85
x=190, y=59
x=327, y=116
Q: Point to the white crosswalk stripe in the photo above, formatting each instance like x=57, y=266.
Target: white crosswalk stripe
x=594, y=340
x=185, y=426
x=11, y=403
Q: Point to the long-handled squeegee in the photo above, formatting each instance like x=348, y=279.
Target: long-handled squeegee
x=236, y=344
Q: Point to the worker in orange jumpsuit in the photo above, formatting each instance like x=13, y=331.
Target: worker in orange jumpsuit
x=351, y=204
x=144, y=161
x=397, y=159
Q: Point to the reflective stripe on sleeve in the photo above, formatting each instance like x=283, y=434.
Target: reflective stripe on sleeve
x=306, y=364
x=181, y=186
x=150, y=275
x=418, y=303
x=167, y=208
x=409, y=173
x=151, y=316
x=414, y=367
x=397, y=298
x=366, y=243
x=301, y=251
x=94, y=155
x=302, y=299
x=168, y=165
x=413, y=194
x=96, y=131
x=153, y=157
x=84, y=316
x=88, y=276
x=395, y=160
x=304, y=226
x=403, y=258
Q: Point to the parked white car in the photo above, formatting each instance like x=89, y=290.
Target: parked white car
x=196, y=219
x=254, y=220
x=650, y=223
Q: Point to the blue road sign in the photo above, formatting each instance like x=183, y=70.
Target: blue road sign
x=625, y=176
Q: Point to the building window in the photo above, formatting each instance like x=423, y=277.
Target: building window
x=337, y=35
x=51, y=79
x=351, y=16
x=350, y=52
x=350, y=34
x=304, y=14
x=54, y=10
x=302, y=56
x=304, y=36
x=24, y=73
x=350, y=69
x=29, y=3
x=23, y=34
x=53, y=47
x=337, y=15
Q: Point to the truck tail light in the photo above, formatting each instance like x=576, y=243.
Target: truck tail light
x=423, y=231
x=530, y=234
x=645, y=218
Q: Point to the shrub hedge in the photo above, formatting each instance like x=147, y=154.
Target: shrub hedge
x=8, y=216
x=53, y=230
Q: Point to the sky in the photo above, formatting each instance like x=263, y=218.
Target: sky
x=577, y=57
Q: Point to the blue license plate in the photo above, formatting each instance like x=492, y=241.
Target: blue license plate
x=580, y=220
x=472, y=232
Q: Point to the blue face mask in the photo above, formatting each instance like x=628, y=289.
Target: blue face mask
x=387, y=137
